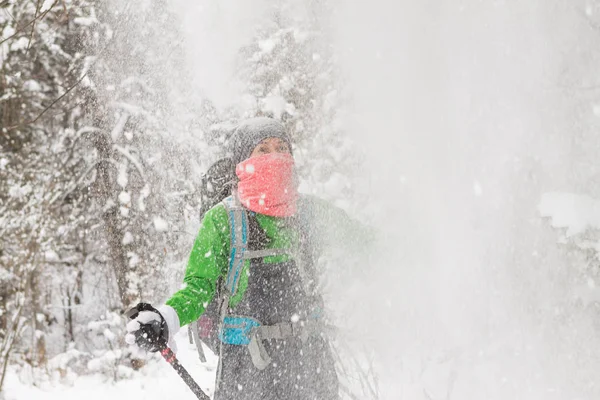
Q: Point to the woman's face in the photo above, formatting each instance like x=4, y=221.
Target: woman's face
x=271, y=145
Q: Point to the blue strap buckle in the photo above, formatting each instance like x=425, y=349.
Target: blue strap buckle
x=236, y=330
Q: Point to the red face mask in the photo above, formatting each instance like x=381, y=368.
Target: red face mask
x=267, y=184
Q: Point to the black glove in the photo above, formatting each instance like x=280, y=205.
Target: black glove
x=147, y=328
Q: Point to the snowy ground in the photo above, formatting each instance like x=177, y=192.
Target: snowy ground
x=156, y=381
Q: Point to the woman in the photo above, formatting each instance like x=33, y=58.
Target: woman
x=286, y=354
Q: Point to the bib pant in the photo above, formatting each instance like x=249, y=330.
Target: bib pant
x=298, y=370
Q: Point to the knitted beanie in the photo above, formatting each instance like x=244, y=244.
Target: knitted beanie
x=249, y=133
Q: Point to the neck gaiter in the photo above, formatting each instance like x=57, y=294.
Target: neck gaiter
x=267, y=184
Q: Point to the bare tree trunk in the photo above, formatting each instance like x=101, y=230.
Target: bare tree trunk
x=38, y=340
x=69, y=318
x=13, y=331
x=106, y=190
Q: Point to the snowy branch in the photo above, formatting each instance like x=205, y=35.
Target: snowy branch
x=131, y=158
x=34, y=120
x=32, y=22
x=74, y=186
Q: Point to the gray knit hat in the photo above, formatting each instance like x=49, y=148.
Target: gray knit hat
x=249, y=133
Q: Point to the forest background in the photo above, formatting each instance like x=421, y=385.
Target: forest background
x=454, y=128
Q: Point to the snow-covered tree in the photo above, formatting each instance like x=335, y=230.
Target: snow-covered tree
x=89, y=212
x=43, y=66
x=289, y=71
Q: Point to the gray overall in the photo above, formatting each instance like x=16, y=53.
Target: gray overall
x=299, y=368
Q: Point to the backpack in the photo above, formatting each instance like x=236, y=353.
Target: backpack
x=216, y=184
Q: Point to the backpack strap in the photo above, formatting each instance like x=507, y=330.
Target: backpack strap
x=238, y=227
x=251, y=254
x=238, y=244
x=194, y=333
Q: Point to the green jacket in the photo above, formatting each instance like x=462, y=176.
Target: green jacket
x=209, y=258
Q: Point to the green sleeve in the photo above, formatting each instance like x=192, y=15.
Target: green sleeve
x=208, y=261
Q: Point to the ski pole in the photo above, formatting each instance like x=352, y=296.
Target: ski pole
x=170, y=357
x=168, y=354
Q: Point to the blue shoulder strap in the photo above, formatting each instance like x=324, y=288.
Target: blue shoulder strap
x=238, y=227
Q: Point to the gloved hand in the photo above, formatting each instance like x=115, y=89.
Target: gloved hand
x=147, y=328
